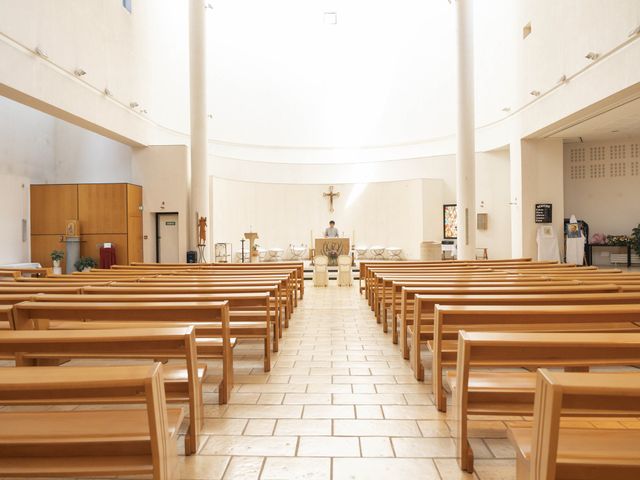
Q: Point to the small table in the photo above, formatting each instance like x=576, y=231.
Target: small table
x=590, y=247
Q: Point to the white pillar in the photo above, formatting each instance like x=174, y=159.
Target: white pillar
x=465, y=154
x=199, y=175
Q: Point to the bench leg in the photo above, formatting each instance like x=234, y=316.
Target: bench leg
x=267, y=353
x=385, y=324
x=405, y=341
x=394, y=327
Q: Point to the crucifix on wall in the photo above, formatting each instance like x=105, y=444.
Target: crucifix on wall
x=331, y=194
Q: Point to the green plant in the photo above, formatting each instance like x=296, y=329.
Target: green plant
x=57, y=255
x=635, y=239
x=85, y=263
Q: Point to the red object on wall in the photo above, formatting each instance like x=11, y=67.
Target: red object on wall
x=107, y=256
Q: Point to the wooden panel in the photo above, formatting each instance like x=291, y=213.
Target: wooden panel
x=42, y=246
x=102, y=208
x=51, y=207
x=134, y=219
x=89, y=246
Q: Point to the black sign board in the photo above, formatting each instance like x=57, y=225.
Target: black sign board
x=543, y=213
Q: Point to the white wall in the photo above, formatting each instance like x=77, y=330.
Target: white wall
x=38, y=148
x=601, y=185
x=162, y=172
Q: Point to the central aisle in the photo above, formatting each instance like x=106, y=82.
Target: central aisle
x=339, y=403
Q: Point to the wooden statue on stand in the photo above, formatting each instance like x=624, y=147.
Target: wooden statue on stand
x=202, y=237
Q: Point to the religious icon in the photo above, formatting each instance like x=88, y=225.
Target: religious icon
x=331, y=194
x=202, y=231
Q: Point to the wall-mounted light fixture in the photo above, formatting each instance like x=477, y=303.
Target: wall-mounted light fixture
x=210, y=115
x=562, y=79
x=209, y=6
x=41, y=52
x=144, y=110
x=134, y=104
x=635, y=31
x=592, y=56
x=506, y=109
x=107, y=92
x=535, y=93
x=78, y=72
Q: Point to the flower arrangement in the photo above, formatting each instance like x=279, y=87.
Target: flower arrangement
x=85, y=263
x=57, y=255
x=618, y=240
x=635, y=239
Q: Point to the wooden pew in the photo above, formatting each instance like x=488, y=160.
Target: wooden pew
x=134, y=288
x=512, y=393
x=522, y=318
x=249, y=313
x=550, y=451
x=521, y=288
x=183, y=382
x=211, y=320
x=95, y=442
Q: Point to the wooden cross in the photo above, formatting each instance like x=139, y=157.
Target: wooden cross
x=331, y=194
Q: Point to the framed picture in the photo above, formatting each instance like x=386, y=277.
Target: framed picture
x=450, y=221
x=547, y=231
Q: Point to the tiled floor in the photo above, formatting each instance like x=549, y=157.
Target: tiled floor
x=339, y=403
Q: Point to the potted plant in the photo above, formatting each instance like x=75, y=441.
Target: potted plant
x=56, y=258
x=85, y=264
x=635, y=240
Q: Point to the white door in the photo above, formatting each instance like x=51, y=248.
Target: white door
x=168, y=238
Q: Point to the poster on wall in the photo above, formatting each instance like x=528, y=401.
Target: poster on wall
x=543, y=213
x=450, y=221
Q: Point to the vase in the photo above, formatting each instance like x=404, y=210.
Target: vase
x=57, y=269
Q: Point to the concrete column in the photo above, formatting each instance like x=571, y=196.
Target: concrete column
x=465, y=154
x=199, y=174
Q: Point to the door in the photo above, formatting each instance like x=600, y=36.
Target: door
x=167, y=239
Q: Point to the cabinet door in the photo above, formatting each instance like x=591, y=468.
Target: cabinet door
x=102, y=208
x=51, y=206
x=134, y=223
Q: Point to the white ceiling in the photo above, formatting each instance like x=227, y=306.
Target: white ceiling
x=619, y=123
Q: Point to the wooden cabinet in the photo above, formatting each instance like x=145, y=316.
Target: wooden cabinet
x=106, y=212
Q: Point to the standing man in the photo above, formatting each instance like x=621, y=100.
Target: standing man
x=331, y=231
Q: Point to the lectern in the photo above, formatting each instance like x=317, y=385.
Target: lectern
x=251, y=236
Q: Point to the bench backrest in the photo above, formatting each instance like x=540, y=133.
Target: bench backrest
x=586, y=391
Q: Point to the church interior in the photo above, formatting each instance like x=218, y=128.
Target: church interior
x=321, y=240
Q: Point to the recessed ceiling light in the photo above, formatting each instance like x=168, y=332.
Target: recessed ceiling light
x=330, y=18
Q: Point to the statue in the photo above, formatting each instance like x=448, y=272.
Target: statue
x=202, y=231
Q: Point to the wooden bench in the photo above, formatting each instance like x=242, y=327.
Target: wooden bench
x=485, y=392
x=521, y=318
x=210, y=319
x=183, y=382
x=83, y=443
x=448, y=342
x=409, y=312
x=550, y=451
x=249, y=313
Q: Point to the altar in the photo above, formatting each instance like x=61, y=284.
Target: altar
x=332, y=248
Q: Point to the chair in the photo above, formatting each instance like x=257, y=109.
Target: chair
x=275, y=255
x=361, y=251
x=393, y=253
x=321, y=271
x=377, y=252
x=262, y=254
x=345, y=276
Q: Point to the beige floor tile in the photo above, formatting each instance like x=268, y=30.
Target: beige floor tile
x=363, y=388
x=376, y=447
x=423, y=447
x=375, y=379
x=328, y=388
x=244, y=468
x=270, y=398
x=202, y=467
x=500, y=447
x=369, y=399
x=403, y=412
x=307, y=399
x=223, y=426
x=302, y=468
x=240, y=398
x=250, y=445
x=369, y=412
x=303, y=427
x=260, y=426
x=329, y=447
x=434, y=428
x=384, y=468
x=272, y=388
x=310, y=379
x=263, y=411
x=495, y=469
x=329, y=411
x=376, y=428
